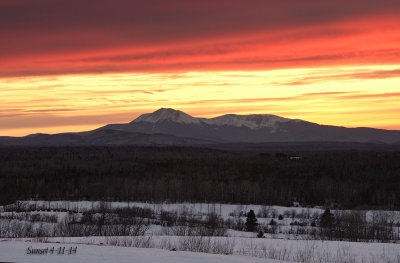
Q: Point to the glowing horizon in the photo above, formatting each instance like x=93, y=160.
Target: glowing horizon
x=65, y=103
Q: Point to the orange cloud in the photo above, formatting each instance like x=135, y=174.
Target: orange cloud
x=51, y=37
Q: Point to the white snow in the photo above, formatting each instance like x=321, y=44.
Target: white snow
x=254, y=121
x=167, y=114
x=15, y=251
x=91, y=249
x=243, y=243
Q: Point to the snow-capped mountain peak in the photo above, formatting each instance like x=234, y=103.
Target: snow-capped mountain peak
x=254, y=121
x=167, y=114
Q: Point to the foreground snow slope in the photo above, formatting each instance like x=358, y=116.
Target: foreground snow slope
x=15, y=251
x=294, y=250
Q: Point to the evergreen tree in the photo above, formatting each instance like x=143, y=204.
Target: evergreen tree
x=251, y=221
x=327, y=219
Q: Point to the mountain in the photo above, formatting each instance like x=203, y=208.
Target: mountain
x=255, y=128
x=174, y=127
x=100, y=138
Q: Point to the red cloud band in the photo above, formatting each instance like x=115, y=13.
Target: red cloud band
x=70, y=36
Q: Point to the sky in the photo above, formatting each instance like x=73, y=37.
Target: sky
x=69, y=65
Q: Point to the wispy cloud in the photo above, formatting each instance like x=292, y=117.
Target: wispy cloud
x=333, y=96
x=356, y=75
x=50, y=37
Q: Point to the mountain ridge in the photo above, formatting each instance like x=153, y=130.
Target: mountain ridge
x=253, y=128
x=250, y=120
x=168, y=126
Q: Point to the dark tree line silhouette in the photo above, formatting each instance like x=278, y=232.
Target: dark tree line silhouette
x=344, y=179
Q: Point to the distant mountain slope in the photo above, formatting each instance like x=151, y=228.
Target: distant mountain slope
x=101, y=137
x=174, y=127
x=254, y=128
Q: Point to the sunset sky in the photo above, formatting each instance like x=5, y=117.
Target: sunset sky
x=69, y=65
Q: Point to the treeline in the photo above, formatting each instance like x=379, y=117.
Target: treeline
x=23, y=221
x=353, y=226
x=363, y=180
x=30, y=220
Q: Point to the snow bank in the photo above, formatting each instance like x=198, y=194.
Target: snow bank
x=15, y=251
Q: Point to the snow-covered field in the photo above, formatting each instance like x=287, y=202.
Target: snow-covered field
x=157, y=241
x=224, y=210
x=16, y=251
x=289, y=221
x=95, y=249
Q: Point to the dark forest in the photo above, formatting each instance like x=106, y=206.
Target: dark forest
x=341, y=179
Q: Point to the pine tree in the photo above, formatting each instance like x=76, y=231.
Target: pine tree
x=251, y=221
x=327, y=219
